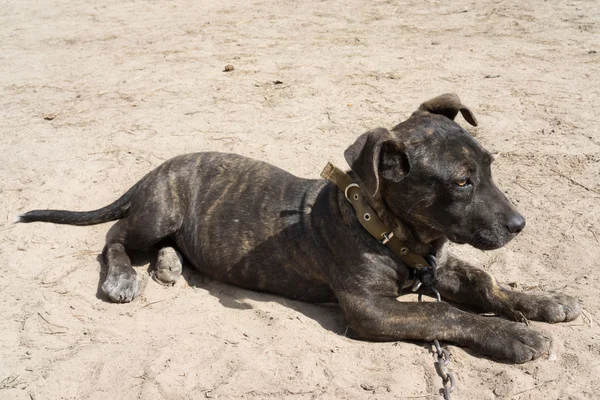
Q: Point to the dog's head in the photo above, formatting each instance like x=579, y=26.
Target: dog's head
x=435, y=178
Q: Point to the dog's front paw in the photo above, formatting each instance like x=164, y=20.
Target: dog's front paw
x=548, y=307
x=122, y=287
x=168, y=266
x=513, y=342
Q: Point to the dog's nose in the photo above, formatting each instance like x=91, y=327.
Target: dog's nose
x=515, y=223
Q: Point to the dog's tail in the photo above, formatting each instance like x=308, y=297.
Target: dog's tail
x=114, y=211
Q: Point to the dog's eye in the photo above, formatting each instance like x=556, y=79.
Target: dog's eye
x=463, y=182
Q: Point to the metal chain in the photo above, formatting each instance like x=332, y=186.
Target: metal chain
x=442, y=356
x=442, y=359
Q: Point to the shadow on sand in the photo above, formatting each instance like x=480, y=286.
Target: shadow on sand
x=329, y=315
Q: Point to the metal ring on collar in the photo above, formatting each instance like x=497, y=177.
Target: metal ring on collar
x=348, y=187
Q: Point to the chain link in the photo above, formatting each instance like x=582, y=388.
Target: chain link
x=442, y=359
x=441, y=356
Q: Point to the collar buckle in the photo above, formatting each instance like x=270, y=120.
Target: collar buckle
x=387, y=237
x=346, y=192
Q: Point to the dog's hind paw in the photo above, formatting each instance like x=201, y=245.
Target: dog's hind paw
x=169, y=265
x=122, y=287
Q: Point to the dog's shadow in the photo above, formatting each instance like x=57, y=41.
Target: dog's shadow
x=328, y=316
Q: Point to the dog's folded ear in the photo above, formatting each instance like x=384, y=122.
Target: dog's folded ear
x=448, y=105
x=376, y=153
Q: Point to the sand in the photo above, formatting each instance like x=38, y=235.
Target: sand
x=95, y=95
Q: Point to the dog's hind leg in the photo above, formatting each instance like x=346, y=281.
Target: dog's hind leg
x=138, y=232
x=122, y=283
x=169, y=264
x=465, y=284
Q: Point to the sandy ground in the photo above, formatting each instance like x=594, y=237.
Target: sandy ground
x=94, y=96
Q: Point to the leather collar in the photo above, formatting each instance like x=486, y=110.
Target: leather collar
x=369, y=219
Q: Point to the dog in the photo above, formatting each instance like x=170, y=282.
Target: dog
x=253, y=225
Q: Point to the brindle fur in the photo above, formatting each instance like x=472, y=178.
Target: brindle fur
x=253, y=225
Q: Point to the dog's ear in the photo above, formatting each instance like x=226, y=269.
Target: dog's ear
x=448, y=105
x=376, y=153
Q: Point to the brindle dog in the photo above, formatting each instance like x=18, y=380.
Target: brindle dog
x=256, y=226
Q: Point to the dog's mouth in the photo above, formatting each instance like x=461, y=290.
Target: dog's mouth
x=486, y=239
x=483, y=239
